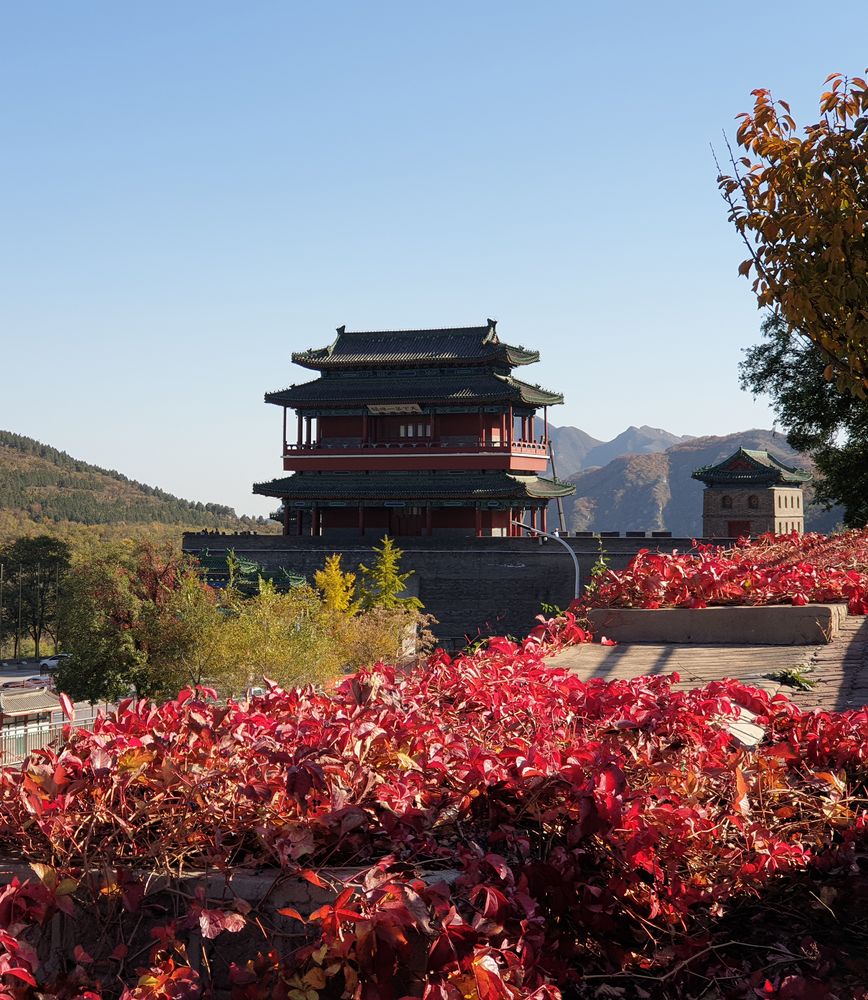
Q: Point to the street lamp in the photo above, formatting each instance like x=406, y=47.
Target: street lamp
x=557, y=538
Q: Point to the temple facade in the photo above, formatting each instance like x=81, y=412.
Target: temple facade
x=414, y=432
x=750, y=493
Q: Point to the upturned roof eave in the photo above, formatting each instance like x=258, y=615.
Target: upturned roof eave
x=513, y=390
x=765, y=469
x=323, y=359
x=436, y=487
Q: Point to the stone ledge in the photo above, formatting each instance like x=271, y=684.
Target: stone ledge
x=772, y=625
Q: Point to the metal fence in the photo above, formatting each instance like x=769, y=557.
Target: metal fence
x=17, y=742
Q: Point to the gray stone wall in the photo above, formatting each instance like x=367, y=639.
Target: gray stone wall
x=473, y=586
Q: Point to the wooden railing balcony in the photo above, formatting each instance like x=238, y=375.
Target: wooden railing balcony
x=464, y=446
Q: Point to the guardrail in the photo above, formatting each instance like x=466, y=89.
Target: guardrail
x=16, y=744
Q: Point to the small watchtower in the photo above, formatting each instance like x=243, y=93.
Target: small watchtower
x=750, y=493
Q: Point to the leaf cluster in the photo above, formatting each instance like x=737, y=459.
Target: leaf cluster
x=800, y=202
x=772, y=569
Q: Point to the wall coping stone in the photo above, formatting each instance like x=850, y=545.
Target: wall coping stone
x=765, y=625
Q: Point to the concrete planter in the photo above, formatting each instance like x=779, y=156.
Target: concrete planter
x=775, y=625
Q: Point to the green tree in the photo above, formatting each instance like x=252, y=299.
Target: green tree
x=338, y=588
x=33, y=570
x=382, y=583
x=184, y=638
x=800, y=203
x=831, y=426
x=98, y=615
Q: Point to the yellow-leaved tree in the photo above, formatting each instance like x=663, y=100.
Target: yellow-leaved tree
x=799, y=199
x=338, y=588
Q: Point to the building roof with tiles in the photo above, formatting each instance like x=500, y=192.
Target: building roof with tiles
x=747, y=466
x=465, y=345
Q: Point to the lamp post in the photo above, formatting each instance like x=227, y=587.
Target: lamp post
x=557, y=538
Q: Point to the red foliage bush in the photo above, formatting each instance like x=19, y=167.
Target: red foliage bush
x=772, y=569
x=517, y=832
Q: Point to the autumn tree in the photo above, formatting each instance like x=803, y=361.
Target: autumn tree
x=799, y=199
x=382, y=583
x=338, y=587
x=287, y=637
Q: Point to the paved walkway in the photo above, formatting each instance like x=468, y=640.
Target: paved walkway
x=838, y=670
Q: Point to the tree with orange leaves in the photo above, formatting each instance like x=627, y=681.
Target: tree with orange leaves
x=799, y=199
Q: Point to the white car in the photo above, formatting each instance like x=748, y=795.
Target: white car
x=53, y=662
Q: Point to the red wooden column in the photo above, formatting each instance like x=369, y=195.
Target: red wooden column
x=361, y=519
x=300, y=515
x=364, y=428
x=510, y=421
x=285, y=518
x=478, y=521
x=480, y=430
x=307, y=431
x=298, y=440
x=429, y=520
x=315, y=521
x=546, y=427
x=284, y=432
x=533, y=521
x=542, y=515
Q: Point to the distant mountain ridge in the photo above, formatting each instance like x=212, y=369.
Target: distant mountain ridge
x=41, y=486
x=654, y=491
x=576, y=450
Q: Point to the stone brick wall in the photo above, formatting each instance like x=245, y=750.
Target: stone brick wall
x=777, y=508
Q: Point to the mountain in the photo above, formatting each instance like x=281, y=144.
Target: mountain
x=43, y=489
x=633, y=441
x=655, y=492
x=570, y=445
x=576, y=450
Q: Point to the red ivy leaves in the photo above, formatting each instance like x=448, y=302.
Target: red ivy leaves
x=564, y=827
x=772, y=569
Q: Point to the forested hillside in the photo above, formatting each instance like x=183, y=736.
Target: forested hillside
x=43, y=489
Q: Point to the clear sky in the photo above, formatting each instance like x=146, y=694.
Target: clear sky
x=191, y=191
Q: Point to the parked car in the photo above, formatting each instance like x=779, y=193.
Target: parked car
x=25, y=682
x=53, y=662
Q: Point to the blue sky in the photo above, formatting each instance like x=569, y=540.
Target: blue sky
x=192, y=191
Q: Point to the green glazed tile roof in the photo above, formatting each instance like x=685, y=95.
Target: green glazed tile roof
x=483, y=387
x=357, y=486
x=751, y=466
x=455, y=345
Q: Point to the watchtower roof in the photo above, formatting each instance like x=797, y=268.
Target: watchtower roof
x=400, y=348
x=747, y=466
x=477, y=388
x=472, y=486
